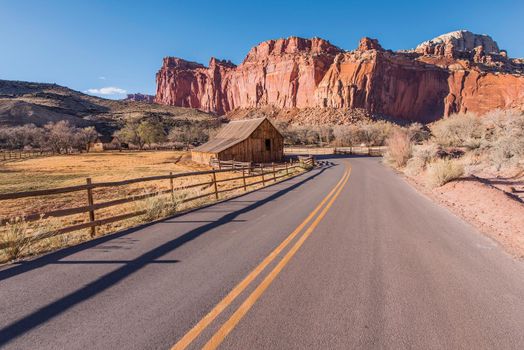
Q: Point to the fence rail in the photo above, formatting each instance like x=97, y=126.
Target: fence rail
x=307, y=160
x=375, y=151
x=228, y=164
x=7, y=155
x=266, y=174
x=353, y=150
x=12, y=155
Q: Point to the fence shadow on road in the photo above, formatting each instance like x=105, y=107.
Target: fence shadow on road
x=104, y=282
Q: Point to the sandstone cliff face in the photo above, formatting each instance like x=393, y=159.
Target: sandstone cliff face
x=456, y=72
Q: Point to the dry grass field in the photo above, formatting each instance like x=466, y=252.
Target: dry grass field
x=71, y=170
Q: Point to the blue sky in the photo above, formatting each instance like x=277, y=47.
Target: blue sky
x=120, y=44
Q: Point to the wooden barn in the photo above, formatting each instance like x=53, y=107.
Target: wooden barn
x=105, y=143
x=249, y=140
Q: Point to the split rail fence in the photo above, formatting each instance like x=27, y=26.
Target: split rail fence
x=377, y=151
x=350, y=150
x=12, y=155
x=266, y=174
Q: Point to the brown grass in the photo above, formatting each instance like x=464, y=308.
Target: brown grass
x=443, y=171
x=399, y=148
x=60, y=171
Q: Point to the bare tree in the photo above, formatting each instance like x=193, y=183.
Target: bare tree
x=151, y=132
x=60, y=136
x=84, y=137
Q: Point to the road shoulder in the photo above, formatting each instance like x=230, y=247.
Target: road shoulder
x=487, y=209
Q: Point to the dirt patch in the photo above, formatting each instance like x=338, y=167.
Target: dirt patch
x=487, y=208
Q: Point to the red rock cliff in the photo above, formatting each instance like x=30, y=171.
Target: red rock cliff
x=456, y=72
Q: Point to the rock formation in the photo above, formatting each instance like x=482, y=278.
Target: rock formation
x=455, y=72
x=140, y=98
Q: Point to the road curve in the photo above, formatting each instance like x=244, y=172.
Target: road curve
x=345, y=256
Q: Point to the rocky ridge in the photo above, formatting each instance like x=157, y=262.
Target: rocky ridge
x=138, y=97
x=456, y=72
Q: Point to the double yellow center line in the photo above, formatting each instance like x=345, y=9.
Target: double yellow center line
x=228, y=326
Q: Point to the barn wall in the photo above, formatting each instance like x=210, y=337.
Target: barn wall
x=253, y=149
x=97, y=147
x=202, y=157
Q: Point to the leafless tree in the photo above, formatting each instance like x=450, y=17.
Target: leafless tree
x=84, y=137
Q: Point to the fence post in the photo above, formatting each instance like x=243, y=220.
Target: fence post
x=244, y=177
x=90, y=202
x=274, y=173
x=215, y=185
x=172, y=186
x=262, y=173
x=287, y=169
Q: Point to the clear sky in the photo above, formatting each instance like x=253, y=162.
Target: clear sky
x=119, y=45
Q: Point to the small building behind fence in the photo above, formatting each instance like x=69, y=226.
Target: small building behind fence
x=106, y=143
x=250, y=140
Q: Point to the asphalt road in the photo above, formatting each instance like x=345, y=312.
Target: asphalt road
x=346, y=256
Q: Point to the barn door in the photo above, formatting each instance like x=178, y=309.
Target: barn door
x=268, y=146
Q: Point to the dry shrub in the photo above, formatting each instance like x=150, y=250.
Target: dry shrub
x=414, y=166
x=157, y=207
x=399, y=148
x=370, y=134
x=460, y=130
x=418, y=133
x=443, y=171
x=506, y=137
x=17, y=239
x=422, y=156
x=161, y=206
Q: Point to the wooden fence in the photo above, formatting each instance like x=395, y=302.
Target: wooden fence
x=296, y=150
x=229, y=164
x=374, y=151
x=265, y=173
x=12, y=155
x=233, y=164
x=308, y=161
x=352, y=150
x=6, y=155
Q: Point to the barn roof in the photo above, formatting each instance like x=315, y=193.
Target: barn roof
x=234, y=132
x=104, y=139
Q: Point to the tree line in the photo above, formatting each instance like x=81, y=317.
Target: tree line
x=366, y=133
x=62, y=137
x=59, y=137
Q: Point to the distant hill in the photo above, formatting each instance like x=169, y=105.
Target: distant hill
x=39, y=103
